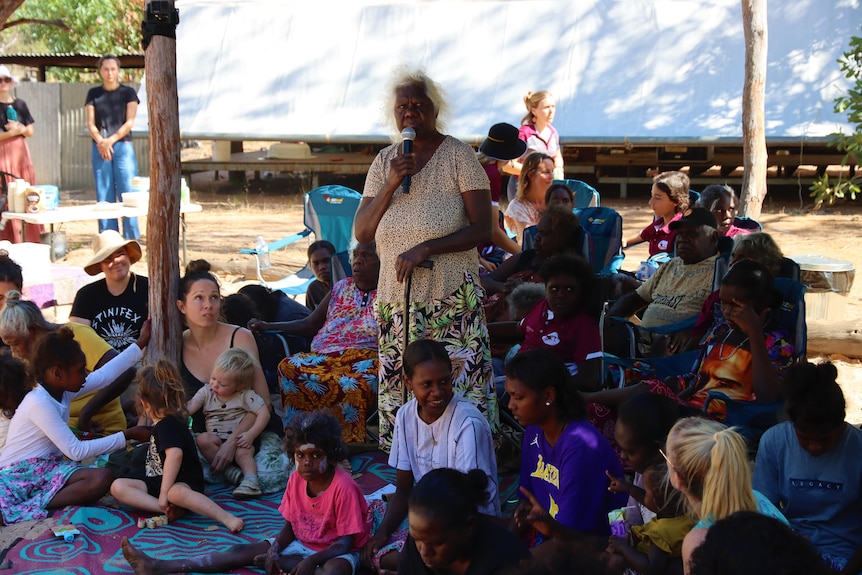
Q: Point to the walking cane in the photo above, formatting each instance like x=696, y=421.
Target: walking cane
x=427, y=264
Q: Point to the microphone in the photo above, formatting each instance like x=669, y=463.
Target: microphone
x=407, y=135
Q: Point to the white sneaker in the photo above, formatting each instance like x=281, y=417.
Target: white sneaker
x=247, y=489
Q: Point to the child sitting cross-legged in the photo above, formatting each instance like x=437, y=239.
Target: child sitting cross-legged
x=172, y=479
x=656, y=547
x=226, y=401
x=323, y=507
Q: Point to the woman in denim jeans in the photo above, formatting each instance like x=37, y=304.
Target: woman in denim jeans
x=111, y=110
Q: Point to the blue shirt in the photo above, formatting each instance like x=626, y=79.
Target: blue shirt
x=820, y=496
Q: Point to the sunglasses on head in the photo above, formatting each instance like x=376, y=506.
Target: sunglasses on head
x=5, y=80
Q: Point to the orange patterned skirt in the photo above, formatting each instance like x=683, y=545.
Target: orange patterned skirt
x=345, y=383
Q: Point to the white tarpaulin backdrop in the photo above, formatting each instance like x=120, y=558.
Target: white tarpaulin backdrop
x=633, y=70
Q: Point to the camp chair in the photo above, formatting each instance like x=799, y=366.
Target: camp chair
x=750, y=419
x=328, y=214
x=753, y=418
x=339, y=267
x=273, y=346
x=584, y=247
x=605, y=227
x=693, y=198
x=789, y=269
x=790, y=314
x=586, y=196
x=725, y=244
x=747, y=223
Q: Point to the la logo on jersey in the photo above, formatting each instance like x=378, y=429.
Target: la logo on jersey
x=547, y=472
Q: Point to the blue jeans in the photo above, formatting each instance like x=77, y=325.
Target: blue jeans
x=114, y=178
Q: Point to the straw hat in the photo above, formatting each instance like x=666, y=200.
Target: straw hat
x=503, y=143
x=107, y=243
x=5, y=73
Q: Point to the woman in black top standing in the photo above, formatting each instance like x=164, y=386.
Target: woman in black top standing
x=111, y=110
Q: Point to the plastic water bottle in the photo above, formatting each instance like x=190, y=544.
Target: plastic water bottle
x=11, y=114
x=262, y=253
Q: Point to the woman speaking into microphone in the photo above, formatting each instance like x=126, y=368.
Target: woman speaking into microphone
x=445, y=215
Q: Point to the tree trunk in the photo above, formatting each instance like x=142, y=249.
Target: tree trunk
x=163, y=219
x=7, y=8
x=754, y=87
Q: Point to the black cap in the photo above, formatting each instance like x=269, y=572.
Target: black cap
x=694, y=218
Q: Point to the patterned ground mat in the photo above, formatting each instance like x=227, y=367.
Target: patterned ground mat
x=97, y=549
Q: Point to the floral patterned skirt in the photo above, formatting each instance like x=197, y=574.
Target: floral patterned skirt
x=27, y=487
x=459, y=322
x=346, y=383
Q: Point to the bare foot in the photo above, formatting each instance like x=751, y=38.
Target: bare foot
x=173, y=512
x=141, y=563
x=234, y=523
x=259, y=561
x=271, y=566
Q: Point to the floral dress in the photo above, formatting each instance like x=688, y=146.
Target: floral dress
x=340, y=371
x=446, y=300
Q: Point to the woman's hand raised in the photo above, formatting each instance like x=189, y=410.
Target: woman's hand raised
x=400, y=166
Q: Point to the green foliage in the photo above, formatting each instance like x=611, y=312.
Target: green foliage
x=824, y=190
x=95, y=27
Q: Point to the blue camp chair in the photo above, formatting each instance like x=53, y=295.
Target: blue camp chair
x=584, y=247
x=328, y=214
x=789, y=269
x=693, y=198
x=747, y=223
x=339, y=267
x=586, y=196
x=605, y=226
x=790, y=314
x=753, y=418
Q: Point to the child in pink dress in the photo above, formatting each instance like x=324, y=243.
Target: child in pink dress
x=324, y=510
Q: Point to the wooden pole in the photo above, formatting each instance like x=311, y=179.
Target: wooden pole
x=753, y=91
x=163, y=219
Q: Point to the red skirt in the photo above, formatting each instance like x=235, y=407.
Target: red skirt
x=15, y=159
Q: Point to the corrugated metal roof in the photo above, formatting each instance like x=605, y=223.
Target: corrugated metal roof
x=68, y=60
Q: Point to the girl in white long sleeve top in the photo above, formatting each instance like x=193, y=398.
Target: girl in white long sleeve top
x=33, y=475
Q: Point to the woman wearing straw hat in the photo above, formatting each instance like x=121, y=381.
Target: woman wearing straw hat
x=115, y=306
x=17, y=124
